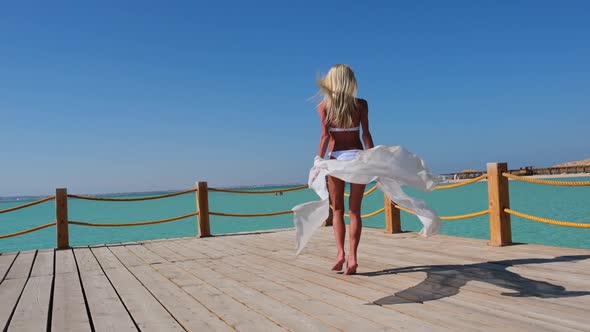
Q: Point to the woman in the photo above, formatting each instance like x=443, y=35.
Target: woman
x=342, y=116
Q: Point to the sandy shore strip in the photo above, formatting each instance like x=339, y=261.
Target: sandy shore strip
x=546, y=176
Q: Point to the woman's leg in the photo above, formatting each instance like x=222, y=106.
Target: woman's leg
x=356, y=225
x=336, y=189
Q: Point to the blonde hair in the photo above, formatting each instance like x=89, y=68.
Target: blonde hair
x=339, y=89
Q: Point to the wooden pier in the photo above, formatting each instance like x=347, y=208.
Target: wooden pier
x=253, y=282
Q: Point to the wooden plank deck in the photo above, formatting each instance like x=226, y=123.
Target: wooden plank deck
x=253, y=282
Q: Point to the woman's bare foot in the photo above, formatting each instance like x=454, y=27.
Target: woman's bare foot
x=339, y=264
x=351, y=268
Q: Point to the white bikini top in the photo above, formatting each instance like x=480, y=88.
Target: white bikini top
x=344, y=129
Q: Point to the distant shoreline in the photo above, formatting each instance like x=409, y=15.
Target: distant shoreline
x=546, y=176
x=558, y=176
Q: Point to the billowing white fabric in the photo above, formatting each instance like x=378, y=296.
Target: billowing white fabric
x=390, y=166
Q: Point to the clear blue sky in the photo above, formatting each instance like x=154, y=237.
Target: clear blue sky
x=108, y=96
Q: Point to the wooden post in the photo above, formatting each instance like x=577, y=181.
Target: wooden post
x=393, y=222
x=203, y=208
x=498, y=198
x=61, y=218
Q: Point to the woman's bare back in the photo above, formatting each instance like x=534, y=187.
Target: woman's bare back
x=347, y=140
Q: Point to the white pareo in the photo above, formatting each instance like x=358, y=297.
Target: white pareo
x=390, y=167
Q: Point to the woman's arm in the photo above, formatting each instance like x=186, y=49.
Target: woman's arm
x=367, y=138
x=325, y=136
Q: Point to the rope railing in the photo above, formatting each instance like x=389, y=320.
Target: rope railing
x=131, y=199
x=245, y=215
x=224, y=214
x=140, y=223
x=404, y=209
x=30, y=230
x=14, y=208
x=236, y=191
x=441, y=187
x=368, y=192
x=368, y=215
x=548, y=220
x=465, y=216
x=547, y=182
x=460, y=216
x=462, y=183
x=499, y=211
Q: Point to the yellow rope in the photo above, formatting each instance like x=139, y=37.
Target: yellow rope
x=250, y=214
x=547, y=182
x=464, y=216
x=365, y=193
x=374, y=213
x=404, y=209
x=112, y=199
x=141, y=223
x=257, y=191
x=43, y=200
x=548, y=221
x=461, y=216
x=27, y=231
x=462, y=183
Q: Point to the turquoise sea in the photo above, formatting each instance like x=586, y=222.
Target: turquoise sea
x=563, y=203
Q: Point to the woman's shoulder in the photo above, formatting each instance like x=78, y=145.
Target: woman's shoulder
x=364, y=105
x=321, y=106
